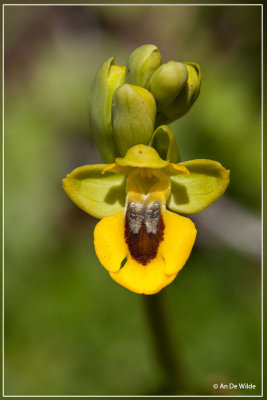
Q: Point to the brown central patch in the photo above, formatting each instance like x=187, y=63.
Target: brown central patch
x=143, y=246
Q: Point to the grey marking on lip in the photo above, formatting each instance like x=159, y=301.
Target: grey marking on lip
x=152, y=214
x=147, y=214
x=135, y=212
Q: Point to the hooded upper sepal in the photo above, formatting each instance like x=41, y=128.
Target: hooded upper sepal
x=163, y=140
x=133, y=116
x=184, y=101
x=96, y=193
x=142, y=156
x=194, y=192
x=108, y=78
x=142, y=63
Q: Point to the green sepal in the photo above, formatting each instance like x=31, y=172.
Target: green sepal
x=133, y=116
x=107, y=80
x=142, y=63
x=192, y=193
x=95, y=193
x=184, y=101
x=163, y=140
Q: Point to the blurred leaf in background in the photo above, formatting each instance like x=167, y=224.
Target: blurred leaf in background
x=69, y=329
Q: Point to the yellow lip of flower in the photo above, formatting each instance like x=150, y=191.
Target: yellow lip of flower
x=172, y=253
x=153, y=242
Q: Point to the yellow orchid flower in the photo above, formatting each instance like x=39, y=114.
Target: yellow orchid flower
x=140, y=242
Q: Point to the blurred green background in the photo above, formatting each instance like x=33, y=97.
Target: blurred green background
x=69, y=329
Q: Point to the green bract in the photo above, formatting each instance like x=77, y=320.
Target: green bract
x=108, y=78
x=133, y=116
x=101, y=194
x=142, y=62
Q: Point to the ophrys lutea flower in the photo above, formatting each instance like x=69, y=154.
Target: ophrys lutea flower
x=140, y=242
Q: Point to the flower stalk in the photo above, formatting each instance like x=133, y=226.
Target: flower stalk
x=164, y=343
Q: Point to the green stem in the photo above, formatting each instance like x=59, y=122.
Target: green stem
x=164, y=343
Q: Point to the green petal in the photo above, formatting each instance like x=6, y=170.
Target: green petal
x=97, y=194
x=163, y=140
x=192, y=193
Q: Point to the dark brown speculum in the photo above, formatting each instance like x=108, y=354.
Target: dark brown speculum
x=144, y=230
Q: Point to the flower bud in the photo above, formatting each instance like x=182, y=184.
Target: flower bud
x=167, y=82
x=142, y=63
x=184, y=101
x=133, y=116
x=108, y=79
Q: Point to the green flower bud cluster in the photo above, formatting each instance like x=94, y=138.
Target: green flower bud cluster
x=128, y=103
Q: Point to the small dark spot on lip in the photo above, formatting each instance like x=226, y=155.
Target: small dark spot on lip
x=140, y=152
